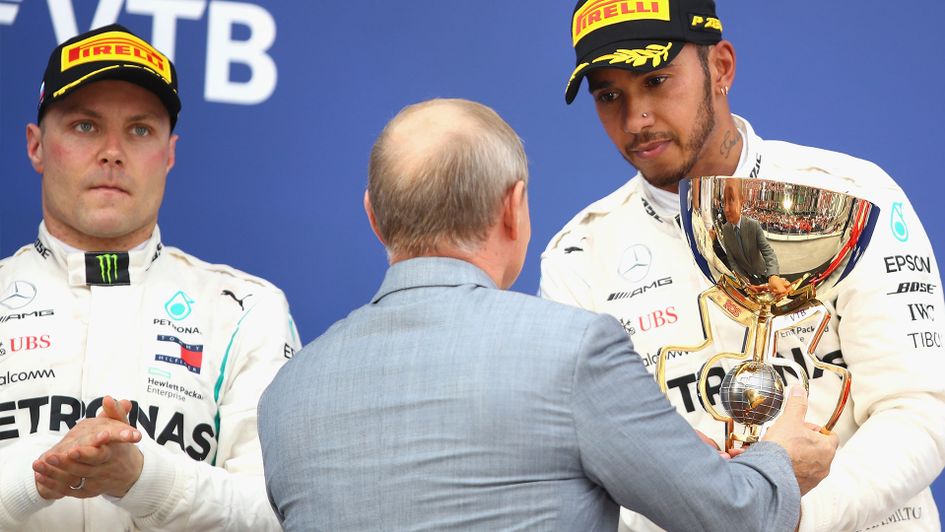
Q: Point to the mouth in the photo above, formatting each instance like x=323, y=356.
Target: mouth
x=108, y=189
x=649, y=150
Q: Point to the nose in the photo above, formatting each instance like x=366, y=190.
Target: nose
x=636, y=118
x=112, y=152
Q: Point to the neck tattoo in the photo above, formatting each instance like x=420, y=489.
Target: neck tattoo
x=728, y=142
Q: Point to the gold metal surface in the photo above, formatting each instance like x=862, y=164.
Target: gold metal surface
x=813, y=233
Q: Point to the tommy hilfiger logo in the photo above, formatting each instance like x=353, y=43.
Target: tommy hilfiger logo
x=191, y=355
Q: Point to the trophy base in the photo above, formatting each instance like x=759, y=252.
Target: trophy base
x=752, y=435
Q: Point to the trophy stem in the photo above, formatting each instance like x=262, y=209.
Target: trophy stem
x=761, y=350
x=729, y=434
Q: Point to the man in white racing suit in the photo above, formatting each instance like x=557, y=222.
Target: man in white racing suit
x=625, y=255
x=97, y=309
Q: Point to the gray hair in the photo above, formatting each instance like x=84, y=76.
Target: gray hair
x=445, y=186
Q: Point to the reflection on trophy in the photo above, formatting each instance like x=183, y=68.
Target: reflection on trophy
x=767, y=246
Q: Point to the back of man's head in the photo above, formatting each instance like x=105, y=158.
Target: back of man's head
x=438, y=174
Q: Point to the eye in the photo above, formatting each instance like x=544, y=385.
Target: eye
x=84, y=126
x=655, y=81
x=607, y=96
x=140, y=131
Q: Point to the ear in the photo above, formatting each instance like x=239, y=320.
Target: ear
x=34, y=147
x=171, y=152
x=513, y=210
x=722, y=65
x=370, y=214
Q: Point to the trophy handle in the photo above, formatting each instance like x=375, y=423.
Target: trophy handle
x=843, y=373
x=795, y=368
x=704, y=379
x=718, y=296
x=817, y=307
x=845, y=382
x=663, y=354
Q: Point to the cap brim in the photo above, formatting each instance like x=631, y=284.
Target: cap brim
x=131, y=73
x=636, y=56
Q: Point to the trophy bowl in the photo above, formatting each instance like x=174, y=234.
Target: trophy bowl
x=768, y=246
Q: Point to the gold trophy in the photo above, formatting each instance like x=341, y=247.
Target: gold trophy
x=768, y=245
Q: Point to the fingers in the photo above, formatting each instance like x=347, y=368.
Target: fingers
x=52, y=489
x=125, y=435
x=708, y=440
x=91, y=455
x=831, y=437
x=96, y=456
x=47, y=488
x=54, y=483
x=97, y=431
x=88, y=471
x=796, y=407
x=126, y=406
x=62, y=461
x=97, y=450
x=111, y=436
x=737, y=451
x=114, y=409
x=61, y=469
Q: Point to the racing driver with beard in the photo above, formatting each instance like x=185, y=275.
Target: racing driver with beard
x=98, y=308
x=659, y=73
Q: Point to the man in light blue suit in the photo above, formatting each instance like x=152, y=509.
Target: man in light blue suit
x=448, y=403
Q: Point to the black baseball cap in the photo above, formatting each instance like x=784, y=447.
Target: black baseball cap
x=640, y=36
x=109, y=52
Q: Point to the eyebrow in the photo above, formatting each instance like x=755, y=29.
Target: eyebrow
x=596, y=85
x=80, y=110
x=606, y=84
x=87, y=111
x=143, y=116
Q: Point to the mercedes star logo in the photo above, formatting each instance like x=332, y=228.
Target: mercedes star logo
x=635, y=264
x=18, y=295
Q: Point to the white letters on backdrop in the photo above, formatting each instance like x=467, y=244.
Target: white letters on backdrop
x=222, y=50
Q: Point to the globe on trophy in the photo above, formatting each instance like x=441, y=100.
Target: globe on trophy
x=767, y=246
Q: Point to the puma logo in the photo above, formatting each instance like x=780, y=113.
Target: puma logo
x=238, y=300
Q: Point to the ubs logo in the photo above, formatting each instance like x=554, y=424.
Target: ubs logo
x=18, y=295
x=29, y=343
x=635, y=263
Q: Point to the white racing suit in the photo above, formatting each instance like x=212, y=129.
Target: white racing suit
x=193, y=345
x=624, y=257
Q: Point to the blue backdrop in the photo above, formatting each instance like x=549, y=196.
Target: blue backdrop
x=282, y=101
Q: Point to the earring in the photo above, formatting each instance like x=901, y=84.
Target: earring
x=723, y=91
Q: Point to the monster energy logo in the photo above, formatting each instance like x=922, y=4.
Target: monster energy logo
x=106, y=269
x=108, y=266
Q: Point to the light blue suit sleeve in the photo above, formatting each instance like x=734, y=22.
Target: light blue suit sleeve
x=634, y=444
